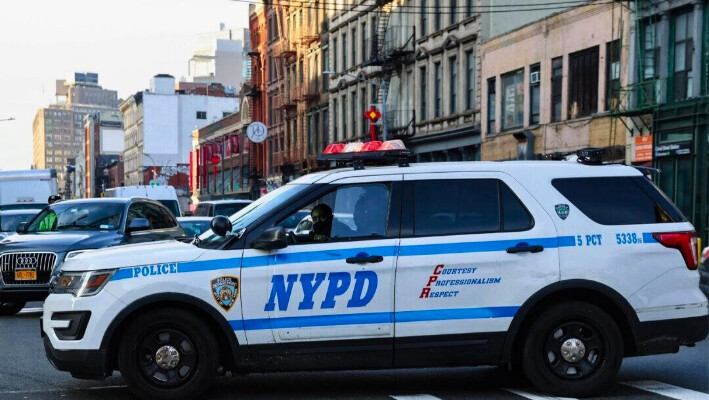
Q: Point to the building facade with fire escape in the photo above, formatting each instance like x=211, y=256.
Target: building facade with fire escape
x=665, y=105
x=370, y=47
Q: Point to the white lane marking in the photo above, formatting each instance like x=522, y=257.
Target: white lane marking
x=535, y=396
x=668, y=390
x=414, y=397
x=62, y=390
x=30, y=310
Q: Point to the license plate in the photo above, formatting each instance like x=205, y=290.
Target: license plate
x=26, y=275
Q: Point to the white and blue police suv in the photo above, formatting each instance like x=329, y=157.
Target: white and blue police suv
x=558, y=268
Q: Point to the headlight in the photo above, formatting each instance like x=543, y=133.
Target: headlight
x=82, y=284
x=74, y=253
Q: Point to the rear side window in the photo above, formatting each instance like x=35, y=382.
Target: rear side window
x=202, y=210
x=456, y=206
x=228, y=209
x=626, y=200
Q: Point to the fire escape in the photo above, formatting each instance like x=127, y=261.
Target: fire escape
x=637, y=101
x=392, y=48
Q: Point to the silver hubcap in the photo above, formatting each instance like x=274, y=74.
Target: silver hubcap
x=167, y=357
x=573, y=350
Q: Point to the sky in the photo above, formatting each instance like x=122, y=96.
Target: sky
x=126, y=42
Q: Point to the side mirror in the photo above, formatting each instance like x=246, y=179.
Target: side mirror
x=220, y=225
x=271, y=239
x=138, y=224
x=21, y=227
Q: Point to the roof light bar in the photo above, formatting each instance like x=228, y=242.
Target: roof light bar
x=371, y=153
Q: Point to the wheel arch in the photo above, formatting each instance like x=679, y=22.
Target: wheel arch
x=219, y=325
x=592, y=292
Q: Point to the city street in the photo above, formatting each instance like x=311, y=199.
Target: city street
x=26, y=374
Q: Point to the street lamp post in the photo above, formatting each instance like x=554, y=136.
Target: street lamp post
x=7, y=119
x=382, y=86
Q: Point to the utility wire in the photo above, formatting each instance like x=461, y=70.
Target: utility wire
x=443, y=10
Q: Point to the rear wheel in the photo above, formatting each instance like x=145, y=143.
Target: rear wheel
x=11, y=308
x=168, y=354
x=573, y=349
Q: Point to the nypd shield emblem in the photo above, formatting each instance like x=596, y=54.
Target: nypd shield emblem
x=225, y=290
x=562, y=210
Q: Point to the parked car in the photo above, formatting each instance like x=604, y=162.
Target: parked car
x=66, y=228
x=194, y=225
x=704, y=272
x=11, y=219
x=219, y=207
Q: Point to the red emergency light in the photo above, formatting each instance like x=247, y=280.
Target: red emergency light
x=373, y=152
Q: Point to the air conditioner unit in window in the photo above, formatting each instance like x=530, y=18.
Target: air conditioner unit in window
x=534, y=77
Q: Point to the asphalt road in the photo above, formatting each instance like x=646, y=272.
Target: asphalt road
x=26, y=374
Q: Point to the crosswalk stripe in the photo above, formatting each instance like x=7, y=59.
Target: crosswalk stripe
x=668, y=390
x=30, y=310
x=414, y=397
x=535, y=396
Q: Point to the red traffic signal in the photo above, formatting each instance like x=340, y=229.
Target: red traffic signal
x=215, y=160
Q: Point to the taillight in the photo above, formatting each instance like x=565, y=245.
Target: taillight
x=685, y=242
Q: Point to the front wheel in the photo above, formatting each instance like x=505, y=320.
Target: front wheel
x=11, y=308
x=573, y=349
x=168, y=354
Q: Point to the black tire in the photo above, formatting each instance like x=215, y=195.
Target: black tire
x=11, y=308
x=583, y=370
x=188, y=335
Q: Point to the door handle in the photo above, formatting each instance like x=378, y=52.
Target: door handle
x=525, y=249
x=364, y=260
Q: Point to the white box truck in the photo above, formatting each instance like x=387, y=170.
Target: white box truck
x=26, y=188
x=164, y=194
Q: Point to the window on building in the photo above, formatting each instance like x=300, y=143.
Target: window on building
x=534, y=93
x=344, y=51
x=454, y=11
x=201, y=115
x=363, y=39
x=325, y=67
x=335, y=54
x=453, y=85
x=437, y=15
x=353, y=111
x=354, y=46
x=683, y=55
x=469, y=8
x=424, y=93
x=469, y=79
x=491, y=94
x=335, y=122
x=245, y=176
x=557, y=72
x=583, y=83
x=424, y=18
x=345, y=131
x=649, y=92
x=437, y=90
x=363, y=106
x=612, y=74
x=513, y=100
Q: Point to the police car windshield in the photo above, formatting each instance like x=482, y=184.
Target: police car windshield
x=247, y=215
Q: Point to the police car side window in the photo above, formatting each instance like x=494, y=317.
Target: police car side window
x=458, y=206
x=623, y=200
x=157, y=218
x=350, y=212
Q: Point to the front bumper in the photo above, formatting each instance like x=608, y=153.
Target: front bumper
x=82, y=364
x=14, y=293
x=666, y=336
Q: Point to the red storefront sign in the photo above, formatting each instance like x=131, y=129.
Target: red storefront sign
x=643, y=148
